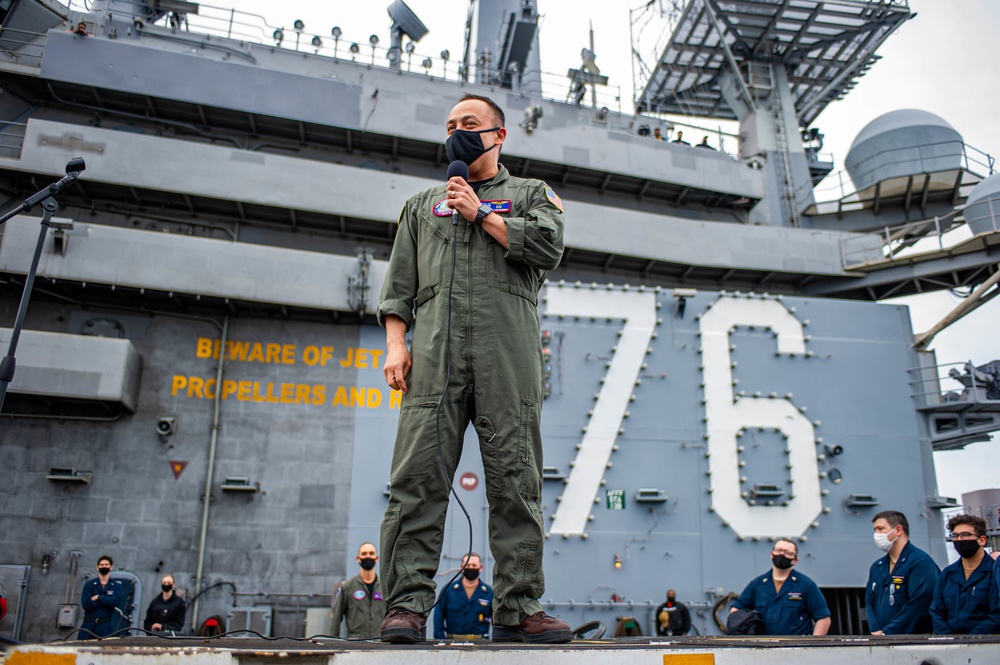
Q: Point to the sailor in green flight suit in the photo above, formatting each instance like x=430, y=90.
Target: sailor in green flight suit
x=467, y=288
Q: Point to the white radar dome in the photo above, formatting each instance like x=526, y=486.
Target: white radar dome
x=903, y=143
x=982, y=208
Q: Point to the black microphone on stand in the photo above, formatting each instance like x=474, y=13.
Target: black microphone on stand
x=460, y=169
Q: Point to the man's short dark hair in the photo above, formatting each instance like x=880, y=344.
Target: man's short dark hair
x=497, y=111
x=105, y=557
x=894, y=518
x=473, y=554
x=978, y=524
x=790, y=542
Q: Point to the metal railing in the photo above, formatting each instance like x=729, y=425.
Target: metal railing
x=841, y=186
x=22, y=47
x=249, y=28
x=896, y=240
x=926, y=384
x=12, y=139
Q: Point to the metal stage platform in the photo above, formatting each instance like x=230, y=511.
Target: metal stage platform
x=898, y=650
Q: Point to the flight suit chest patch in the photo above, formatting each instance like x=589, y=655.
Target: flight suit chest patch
x=499, y=206
x=359, y=595
x=441, y=209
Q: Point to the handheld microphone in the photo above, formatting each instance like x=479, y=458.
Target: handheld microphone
x=460, y=169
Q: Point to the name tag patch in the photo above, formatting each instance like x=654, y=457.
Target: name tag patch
x=499, y=206
x=441, y=208
x=795, y=595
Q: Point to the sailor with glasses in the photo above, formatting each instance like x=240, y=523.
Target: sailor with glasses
x=789, y=603
x=961, y=597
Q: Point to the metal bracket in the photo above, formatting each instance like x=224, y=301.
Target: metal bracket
x=358, y=286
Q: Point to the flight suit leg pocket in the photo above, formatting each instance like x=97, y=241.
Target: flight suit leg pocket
x=528, y=453
x=415, y=454
x=489, y=446
x=528, y=580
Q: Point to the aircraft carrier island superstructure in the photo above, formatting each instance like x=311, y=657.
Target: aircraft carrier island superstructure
x=198, y=386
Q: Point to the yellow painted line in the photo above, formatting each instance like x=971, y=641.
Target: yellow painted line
x=38, y=658
x=689, y=659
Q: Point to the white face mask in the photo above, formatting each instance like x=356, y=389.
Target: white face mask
x=882, y=541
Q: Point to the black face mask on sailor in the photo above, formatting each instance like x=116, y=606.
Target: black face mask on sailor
x=466, y=145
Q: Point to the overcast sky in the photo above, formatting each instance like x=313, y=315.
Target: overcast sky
x=936, y=62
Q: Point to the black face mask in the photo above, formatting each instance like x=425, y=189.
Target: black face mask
x=166, y=587
x=467, y=146
x=367, y=563
x=104, y=571
x=966, y=548
x=781, y=562
x=471, y=573
x=671, y=599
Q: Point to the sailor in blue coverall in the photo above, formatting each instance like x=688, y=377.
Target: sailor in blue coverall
x=466, y=606
x=101, y=597
x=901, y=584
x=962, y=595
x=991, y=625
x=788, y=602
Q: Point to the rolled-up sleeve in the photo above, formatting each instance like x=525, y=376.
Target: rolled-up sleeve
x=818, y=609
x=536, y=239
x=400, y=286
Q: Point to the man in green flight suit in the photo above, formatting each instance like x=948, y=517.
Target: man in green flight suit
x=467, y=285
x=359, y=599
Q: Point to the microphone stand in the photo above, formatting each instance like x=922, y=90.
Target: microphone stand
x=44, y=198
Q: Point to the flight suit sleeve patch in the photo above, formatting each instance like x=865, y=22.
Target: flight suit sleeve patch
x=554, y=198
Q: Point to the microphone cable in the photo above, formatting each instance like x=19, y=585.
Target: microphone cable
x=456, y=168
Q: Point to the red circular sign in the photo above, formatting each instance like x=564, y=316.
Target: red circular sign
x=469, y=481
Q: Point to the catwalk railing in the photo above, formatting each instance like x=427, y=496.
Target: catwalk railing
x=938, y=233
x=255, y=29
x=838, y=188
